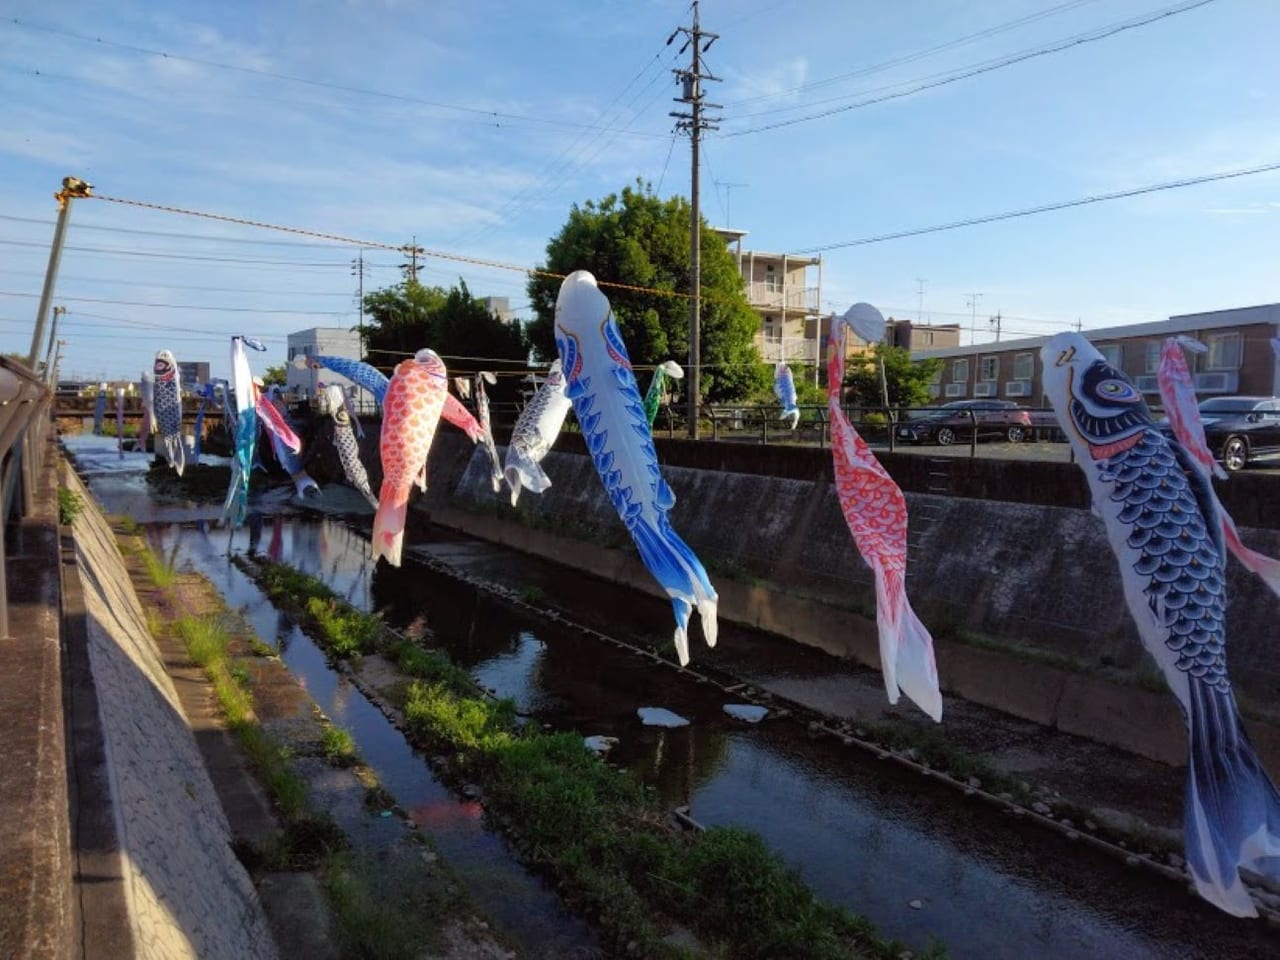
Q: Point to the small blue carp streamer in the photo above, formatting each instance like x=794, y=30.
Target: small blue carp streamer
x=784, y=388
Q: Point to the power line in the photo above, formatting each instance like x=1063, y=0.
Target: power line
x=913, y=57
x=162, y=255
x=492, y=116
x=116, y=281
x=183, y=306
x=1047, y=207
x=172, y=234
x=988, y=67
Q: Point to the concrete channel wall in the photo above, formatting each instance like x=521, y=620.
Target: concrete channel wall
x=1035, y=585
x=162, y=838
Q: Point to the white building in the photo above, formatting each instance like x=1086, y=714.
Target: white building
x=321, y=341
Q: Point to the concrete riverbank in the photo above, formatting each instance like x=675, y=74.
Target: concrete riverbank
x=1023, y=598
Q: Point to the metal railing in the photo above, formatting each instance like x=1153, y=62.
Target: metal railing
x=24, y=424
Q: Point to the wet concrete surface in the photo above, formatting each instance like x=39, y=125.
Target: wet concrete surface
x=863, y=833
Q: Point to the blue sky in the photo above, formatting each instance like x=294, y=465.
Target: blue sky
x=476, y=126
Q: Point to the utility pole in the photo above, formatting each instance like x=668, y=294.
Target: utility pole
x=359, y=270
x=995, y=321
x=973, y=299
x=413, y=252
x=72, y=187
x=53, y=336
x=920, y=282
x=694, y=122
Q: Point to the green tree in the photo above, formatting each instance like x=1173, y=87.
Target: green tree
x=908, y=381
x=275, y=375
x=639, y=239
x=407, y=317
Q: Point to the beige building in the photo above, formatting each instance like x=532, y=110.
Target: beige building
x=785, y=289
x=1239, y=359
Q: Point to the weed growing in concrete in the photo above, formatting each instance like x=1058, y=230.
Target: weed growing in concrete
x=206, y=640
x=349, y=632
x=339, y=747
x=532, y=593
x=386, y=913
x=70, y=506
x=162, y=573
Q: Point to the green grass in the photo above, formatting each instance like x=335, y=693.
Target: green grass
x=70, y=506
x=595, y=829
x=339, y=747
x=385, y=911
x=161, y=572
x=531, y=593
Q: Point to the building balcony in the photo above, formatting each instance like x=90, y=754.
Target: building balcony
x=787, y=349
x=768, y=296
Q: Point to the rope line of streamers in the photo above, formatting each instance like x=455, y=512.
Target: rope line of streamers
x=380, y=245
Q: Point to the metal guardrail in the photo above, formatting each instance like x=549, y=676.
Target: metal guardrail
x=24, y=425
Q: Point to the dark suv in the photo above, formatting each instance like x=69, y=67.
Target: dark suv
x=1241, y=430
x=944, y=425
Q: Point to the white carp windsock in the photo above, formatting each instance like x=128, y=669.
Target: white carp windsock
x=168, y=403
x=411, y=410
x=120, y=422
x=486, y=428
x=600, y=383
x=653, y=396
x=345, y=442
x=147, y=391
x=1178, y=394
x=876, y=512
x=535, y=434
x=246, y=431
x=784, y=388
x=1163, y=523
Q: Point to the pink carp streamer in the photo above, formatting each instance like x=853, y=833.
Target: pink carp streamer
x=876, y=512
x=1178, y=394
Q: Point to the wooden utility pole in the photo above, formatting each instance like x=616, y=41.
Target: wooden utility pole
x=698, y=42
x=359, y=269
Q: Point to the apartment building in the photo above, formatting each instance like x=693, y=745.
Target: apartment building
x=319, y=341
x=1239, y=359
x=785, y=289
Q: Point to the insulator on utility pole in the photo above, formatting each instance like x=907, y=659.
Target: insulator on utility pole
x=695, y=122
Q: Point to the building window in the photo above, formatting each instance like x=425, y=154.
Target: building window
x=989, y=368
x=960, y=371
x=1111, y=353
x=772, y=280
x=1153, y=355
x=1024, y=366
x=293, y=352
x=1224, y=351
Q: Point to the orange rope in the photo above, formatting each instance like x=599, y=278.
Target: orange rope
x=406, y=249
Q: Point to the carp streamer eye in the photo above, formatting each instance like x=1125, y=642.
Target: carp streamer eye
x=1116, y=390
x=1065, y=357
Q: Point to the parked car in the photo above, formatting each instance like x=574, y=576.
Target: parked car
x=1240, y=430
x=944, y=425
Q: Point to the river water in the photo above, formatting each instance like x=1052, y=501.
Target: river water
x=921, y=862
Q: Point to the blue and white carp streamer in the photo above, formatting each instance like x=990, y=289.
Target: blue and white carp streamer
x=602, y=387
x=1166, y=530
x=784, y=388
x=535, y=434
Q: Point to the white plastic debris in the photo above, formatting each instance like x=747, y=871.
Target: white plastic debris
x=599, y=745
x=747, y=712
x=660, y=717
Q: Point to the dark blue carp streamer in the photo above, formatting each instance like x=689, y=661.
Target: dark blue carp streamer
x=1163, y=522
x=600, y=383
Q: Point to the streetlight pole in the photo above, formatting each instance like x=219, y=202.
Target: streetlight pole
x=72, y=187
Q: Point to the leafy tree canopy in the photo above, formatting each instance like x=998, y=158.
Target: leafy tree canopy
x=639, y=239
x=908, y=381
x=275, y=375
x=407, y=317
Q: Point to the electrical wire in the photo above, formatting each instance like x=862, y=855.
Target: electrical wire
x=913, y=57
x=1047, y=207
x=974, y=71
x=185, y=306
x=172, y=234
x=161, y=255
x=492, y=117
